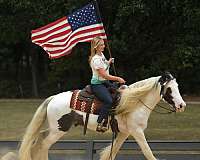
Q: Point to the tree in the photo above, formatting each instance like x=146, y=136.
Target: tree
x=146, y=38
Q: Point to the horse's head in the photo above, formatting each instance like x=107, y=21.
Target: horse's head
x=170, y=92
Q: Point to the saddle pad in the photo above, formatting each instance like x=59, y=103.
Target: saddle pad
x=92, y=107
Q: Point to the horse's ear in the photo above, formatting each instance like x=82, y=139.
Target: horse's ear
x=166, y=77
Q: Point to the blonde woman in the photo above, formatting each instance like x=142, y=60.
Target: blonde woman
x=100, y=80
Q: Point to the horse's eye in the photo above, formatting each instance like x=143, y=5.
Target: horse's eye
x=169, y=90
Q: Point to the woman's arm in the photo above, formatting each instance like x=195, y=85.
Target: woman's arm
x=106, y=76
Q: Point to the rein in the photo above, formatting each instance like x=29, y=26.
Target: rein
x=163, y=82
x=169, y=110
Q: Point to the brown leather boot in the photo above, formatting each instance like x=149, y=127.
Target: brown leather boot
x=102, y=127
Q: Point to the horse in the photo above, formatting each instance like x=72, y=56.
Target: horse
x=137, y=102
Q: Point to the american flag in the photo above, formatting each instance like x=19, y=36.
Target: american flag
x=58, y=38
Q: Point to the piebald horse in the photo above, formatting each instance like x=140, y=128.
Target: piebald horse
x=137, y=102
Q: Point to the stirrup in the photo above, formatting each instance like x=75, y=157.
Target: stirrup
x=101, y=127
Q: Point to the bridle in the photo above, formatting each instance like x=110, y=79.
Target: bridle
x=169, y=110
x=163, y=82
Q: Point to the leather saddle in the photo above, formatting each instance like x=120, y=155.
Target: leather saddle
x=87, y=95
x=84, y=100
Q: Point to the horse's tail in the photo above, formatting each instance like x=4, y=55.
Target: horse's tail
x=33, y=131
x=10, y=156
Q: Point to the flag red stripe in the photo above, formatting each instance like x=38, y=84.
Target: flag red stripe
x=76, y=41
x=53, y=36
x=52, y=56
x=73, y=35
x=49, y=25
x=49, y=32
x=58, y=56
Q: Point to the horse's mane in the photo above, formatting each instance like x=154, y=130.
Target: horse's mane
x=134, y=92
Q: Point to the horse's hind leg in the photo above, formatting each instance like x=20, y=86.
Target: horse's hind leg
x=105, y=154
x=52, y=137
x=64, y=124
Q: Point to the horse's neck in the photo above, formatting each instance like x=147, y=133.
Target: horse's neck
x=152, y=98
x=130, y=105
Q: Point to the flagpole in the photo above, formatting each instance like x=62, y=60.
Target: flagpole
x=107, y=44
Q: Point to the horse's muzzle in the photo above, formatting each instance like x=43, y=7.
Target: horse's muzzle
x=181, y=107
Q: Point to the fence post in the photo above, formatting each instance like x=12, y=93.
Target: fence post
x=89, y=150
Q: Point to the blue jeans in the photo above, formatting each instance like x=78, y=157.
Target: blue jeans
x=102, y=93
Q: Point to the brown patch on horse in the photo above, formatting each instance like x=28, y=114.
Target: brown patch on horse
x=67, y=120
x=168, y=97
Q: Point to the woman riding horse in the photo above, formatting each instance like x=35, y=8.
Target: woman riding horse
x=99, y=81
x=136, y=104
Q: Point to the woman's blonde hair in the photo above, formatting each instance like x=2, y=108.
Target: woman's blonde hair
x=94, y=44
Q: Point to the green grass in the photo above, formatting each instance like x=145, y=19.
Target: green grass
x=176, y=126
x=15, y=115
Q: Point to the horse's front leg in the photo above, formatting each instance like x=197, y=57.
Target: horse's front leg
x=139, y=136
x=106, y=153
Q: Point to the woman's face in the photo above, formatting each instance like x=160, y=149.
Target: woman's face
x=101, y=46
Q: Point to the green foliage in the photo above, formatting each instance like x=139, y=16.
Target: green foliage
x=71, y=72
x=8, y=88
x=146, y=37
